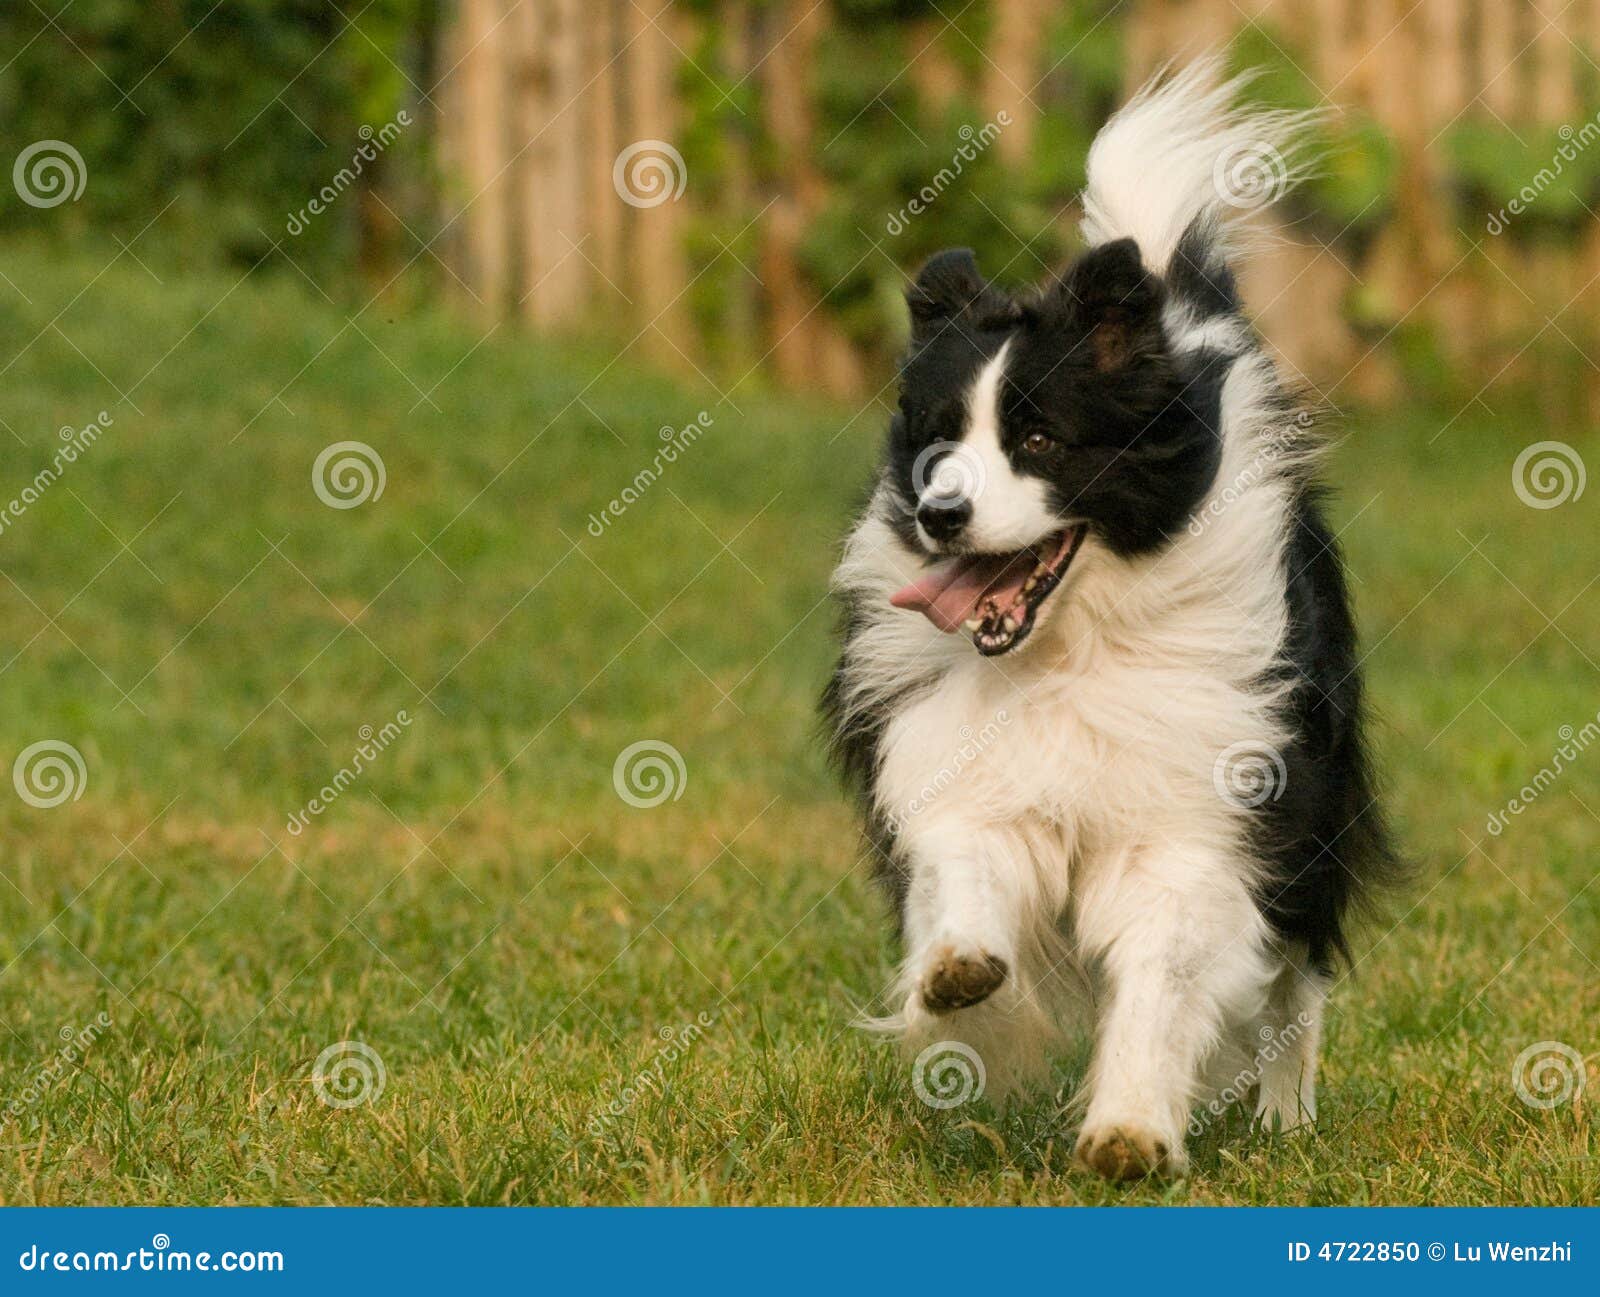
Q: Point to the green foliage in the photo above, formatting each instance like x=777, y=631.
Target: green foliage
x=1084, y=75
x=909, y=178
x=1356, y=184
x=222, y=120
x=1353, y=190
x=1547, y=182
x=869, y=13
x=721, y=138
x=905, y=178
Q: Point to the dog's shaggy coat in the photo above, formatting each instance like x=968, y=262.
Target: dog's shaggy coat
x=1141, y=774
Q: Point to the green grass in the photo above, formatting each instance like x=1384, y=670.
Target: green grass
x=480, y=907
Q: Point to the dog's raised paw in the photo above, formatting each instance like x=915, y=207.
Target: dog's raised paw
x=1127, y=1152
x=956, y=981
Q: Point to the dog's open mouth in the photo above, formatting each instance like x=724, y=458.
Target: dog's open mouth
x=996, y=597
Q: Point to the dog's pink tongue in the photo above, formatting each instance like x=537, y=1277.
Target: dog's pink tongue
x=949, y=594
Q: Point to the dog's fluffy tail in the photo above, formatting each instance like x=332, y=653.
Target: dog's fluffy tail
x=1184, y=151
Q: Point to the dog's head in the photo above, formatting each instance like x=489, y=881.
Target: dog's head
x=1031, y=426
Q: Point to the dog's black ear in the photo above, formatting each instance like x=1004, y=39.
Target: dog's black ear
x=1110, y=295
x=950, y=286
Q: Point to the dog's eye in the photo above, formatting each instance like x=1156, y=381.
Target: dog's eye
x=1037, y=443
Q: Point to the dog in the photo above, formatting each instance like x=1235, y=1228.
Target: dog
x=1099, y=692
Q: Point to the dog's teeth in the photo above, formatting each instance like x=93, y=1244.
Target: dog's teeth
x=1010, y=623
x=971, y=623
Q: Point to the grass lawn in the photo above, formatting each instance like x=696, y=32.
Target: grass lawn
x=512, y=941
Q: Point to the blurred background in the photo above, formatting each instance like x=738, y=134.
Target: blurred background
x=428, y=428
x=780, y=164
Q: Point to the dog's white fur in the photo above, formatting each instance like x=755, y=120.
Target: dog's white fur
x=1089, y=847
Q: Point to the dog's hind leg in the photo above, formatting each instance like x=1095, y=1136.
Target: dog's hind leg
x=1288, y=1037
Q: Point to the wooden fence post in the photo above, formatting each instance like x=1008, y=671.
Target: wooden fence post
x=659, y=265
x=1010, y=75
x=600, y=116
x=549, y=82
x=482, y=105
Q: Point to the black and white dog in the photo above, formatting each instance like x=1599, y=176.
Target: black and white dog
x=1099, y=690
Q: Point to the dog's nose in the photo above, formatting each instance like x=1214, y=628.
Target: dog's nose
x=943, y=516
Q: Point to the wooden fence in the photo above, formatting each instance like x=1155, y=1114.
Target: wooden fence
x=1500, y=309
x=560, y=122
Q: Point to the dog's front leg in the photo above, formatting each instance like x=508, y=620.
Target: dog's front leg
x=960, y=919
x=1184, y=954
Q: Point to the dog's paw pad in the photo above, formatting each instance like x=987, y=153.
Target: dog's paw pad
x=1126, y=1153
x=958, y=981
